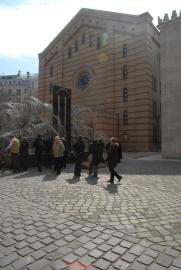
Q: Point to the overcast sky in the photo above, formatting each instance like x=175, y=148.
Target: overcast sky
x=28, y=26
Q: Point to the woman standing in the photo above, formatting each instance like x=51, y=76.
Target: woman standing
x=58, y=149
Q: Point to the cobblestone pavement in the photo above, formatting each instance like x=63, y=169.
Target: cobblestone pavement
x=49, y=222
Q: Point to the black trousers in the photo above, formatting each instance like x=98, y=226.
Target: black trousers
x=113, y=173
x=58, y=164
x=78, y=165
x=15, y=162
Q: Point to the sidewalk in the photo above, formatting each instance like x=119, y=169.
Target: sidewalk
x=52, y=223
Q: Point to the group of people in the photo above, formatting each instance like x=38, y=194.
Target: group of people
x=45, y=150
x=96, y=151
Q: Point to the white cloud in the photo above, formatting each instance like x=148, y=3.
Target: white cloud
x=28, y=28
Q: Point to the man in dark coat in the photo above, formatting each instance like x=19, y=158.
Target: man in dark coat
x=112, y=160
x=95, y=151
x=39, y=148
x=23, y=154
x=78, y=148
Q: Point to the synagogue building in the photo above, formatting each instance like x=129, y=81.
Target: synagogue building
x=110, y=62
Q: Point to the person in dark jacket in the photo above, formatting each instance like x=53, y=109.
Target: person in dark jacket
x=78, y=148
x=39, y=148
x=23, y=154
x=64, y=158
x=112, y=160
x=95, y=151
x=48, y=143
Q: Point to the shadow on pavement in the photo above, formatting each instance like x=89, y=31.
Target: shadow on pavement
x=49, y=177
x=91, y=180
x=73, y=180
x=112, y=188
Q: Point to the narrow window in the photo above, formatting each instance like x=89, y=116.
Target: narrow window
x=18, y=92
x=125, y=118
x=125, y=50
x=70, y=53
x=98, y=45
x=125, y=72
x=83, y=39
x=51, y=71
x=90, y=41
x=76, y=45
x=125, y=95
x=51, y=88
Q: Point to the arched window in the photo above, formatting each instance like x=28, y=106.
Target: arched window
x=125, y=94
x=125, y=72
x=125, y=50
x=125, y=118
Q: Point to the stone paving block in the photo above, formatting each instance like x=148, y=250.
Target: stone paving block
x=95, y=253
x=24, y=251
x=111, y=256
x=84, y=239
x=65, y=250
x=137, y=250
x=23, y=262
x=58, y=265
x=81, y=251
x=21, y=244
x=113, y=241
x=138, y=266
x=156, y=266
x=151, y=252
x=164, y=260
x=86, y=261
x=98, y=240
x=121, y=265
x=119, y=250
x=37, y=245
x=126, y=244
x=128, y=257
x=69, y=238
x=177, y=262
x=102, y=264
x=50, y=248
x=60, y=243
x=39, y=265
x=38, y=254
x=70, y=258
x=7, y=260
x=48, y=240
x=172, y=252
x=90, y=245
x=52, y=256
x=105, y=236
x=145, y=259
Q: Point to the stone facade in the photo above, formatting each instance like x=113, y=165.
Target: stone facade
x=16, y=88
x=110, y=61
x=170, y=40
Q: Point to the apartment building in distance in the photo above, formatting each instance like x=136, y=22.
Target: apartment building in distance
x=170, y=41
x=16, y=88
x=111, y=63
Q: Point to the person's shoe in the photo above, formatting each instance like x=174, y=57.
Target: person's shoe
x=110, y=181
x=119, y=178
